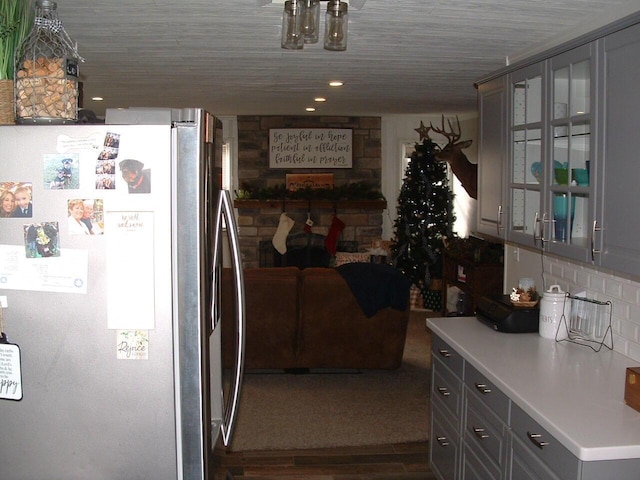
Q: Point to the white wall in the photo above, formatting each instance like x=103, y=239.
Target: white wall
x=398, y=130
x=576, y=277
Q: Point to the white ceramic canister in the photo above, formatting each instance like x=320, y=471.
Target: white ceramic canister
x=553, y=305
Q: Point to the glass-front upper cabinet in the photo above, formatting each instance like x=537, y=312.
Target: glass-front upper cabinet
x=551, y=171
x=526, y=172
x=569, y=196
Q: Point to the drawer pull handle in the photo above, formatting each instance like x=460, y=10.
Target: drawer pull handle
x=480, y=433
x=443, y=441
x=482, y=388
x=443, y=391
x=534, y=439
x=444, y=353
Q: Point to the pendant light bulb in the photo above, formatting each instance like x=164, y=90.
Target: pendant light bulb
x=335, y=35
x=291, y=37
x=310, y=23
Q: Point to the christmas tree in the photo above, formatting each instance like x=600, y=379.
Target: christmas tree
x=425, y=217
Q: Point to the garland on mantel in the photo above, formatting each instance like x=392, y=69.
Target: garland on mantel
x=352, y=191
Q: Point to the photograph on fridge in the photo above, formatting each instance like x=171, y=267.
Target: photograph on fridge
x=137, y=177
x=61, y=171
x=93, y=215
x=15, y=200
x=41, y=240
x=85, y=216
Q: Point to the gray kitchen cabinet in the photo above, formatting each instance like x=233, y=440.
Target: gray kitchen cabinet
x=617, y=232
x=478, y=432
x=525, y=185
x=571, y=131
x=525, y=465
x=486, y=419
x=550, y=192
x=444, y=448
x=534, y=451
x=492, y=148
x=569, y=150
x=446, y=410
x=537, y=443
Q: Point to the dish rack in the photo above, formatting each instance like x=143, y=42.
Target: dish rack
x=589, y=323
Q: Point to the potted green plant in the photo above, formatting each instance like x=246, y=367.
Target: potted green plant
x=16, y=21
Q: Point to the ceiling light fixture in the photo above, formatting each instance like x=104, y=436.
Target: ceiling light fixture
x=301, y=24
x=320, y=99
x=336, y=83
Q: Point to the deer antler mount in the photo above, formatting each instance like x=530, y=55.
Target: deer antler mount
x=451, y=153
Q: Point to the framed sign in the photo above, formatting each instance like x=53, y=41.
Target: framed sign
x=296, y=181
x=310, y=148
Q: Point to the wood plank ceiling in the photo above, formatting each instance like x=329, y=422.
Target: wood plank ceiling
x=403, y=56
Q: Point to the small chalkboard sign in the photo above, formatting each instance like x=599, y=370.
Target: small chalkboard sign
x=310, y=148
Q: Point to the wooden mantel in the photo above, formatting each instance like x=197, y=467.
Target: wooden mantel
x=314, y=204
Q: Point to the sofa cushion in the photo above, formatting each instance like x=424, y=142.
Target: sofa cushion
x=271, y=309
x=335, y=332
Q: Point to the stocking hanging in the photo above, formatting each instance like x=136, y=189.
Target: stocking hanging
x=280, y=238
x=331, y=240
x=308, y=224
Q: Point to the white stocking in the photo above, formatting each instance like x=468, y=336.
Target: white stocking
x=280, y=238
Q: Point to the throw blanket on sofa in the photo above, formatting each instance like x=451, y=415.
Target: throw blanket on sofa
x=376, y=286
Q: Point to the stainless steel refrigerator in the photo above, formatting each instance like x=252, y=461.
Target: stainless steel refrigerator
x=111, y=243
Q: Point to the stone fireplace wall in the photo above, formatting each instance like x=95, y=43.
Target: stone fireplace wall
x=259, y=222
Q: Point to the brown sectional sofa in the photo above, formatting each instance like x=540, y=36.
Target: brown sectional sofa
x=310, y=319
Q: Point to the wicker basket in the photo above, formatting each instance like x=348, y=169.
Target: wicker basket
x=7, y=114
x=524, y=304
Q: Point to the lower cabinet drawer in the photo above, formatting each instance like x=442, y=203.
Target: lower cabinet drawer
x=444, y=447
x=542, y=445
x=447, y=355
x=446, y=387
x=476, y=466
x=480, y=386
x=527, y=466
x=485, y=431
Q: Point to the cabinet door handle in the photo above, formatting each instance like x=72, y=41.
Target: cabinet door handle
x=534, y=437
x=595, y=228
x=499, y=222
x=442, y=441
x=480, y=433
x=545, y=220
x=536, y=229
x=482, y=388
x=444, y=353
x=443, y=391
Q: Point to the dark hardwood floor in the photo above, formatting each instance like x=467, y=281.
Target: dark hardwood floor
x=401, y=462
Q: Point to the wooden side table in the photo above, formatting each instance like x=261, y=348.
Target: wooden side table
x=475, y=279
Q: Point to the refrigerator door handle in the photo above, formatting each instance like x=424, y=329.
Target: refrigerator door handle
x=225, y=211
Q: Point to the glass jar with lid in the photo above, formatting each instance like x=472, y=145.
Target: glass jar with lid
x=335, y=33
x=46, y=74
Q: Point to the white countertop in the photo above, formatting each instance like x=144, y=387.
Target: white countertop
x=570, y=390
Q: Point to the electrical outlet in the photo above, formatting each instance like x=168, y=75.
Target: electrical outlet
x=3, y=301
x=516, y=254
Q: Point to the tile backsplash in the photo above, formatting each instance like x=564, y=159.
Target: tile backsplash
x=575, y=277
x=623, y=294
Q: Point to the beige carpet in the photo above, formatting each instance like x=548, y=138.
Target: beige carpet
x=318, y=410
